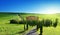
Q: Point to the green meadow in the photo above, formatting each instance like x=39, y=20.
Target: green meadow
x=12, y=29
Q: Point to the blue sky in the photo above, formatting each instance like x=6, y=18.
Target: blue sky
x=30, y=6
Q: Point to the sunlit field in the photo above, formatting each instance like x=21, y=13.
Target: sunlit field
x=12, y=29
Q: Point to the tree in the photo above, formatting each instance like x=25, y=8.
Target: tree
x=41, y=26
x=27, y=25
x=55, y=23
x=22, y=20
x=46, y=23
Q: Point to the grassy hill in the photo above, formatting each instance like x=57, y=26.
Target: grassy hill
x=10, y=29
x=5, y=27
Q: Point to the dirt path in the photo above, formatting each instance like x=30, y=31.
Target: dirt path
x=32, y=32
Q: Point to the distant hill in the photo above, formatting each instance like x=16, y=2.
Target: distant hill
x=21, y=13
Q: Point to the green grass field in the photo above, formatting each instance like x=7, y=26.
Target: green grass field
x=11, y=29
x=6, y=28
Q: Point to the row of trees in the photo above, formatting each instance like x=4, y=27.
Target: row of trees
x=46, y=23
x=41, y=24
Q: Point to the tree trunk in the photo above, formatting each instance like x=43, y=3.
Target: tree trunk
x=37, y=27
x=27, y=26
x=24, y=27
x=41, y=30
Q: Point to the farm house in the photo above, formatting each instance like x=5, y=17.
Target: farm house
x=32, y=18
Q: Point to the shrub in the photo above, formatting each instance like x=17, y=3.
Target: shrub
x=13, y=21
x=47, y=23
x=55, y=23
x=32, y=23
x=21, y=22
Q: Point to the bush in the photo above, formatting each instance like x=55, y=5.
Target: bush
x=47, y=23
x=22, y=22
x=13, y=21
x=55, y=23
x=32, y=23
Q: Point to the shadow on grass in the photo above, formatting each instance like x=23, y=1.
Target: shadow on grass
x=20, y=32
